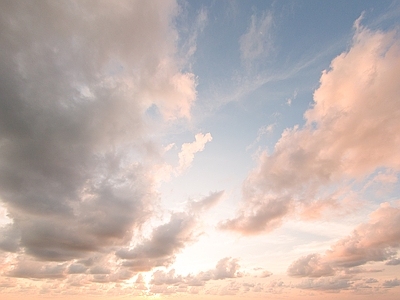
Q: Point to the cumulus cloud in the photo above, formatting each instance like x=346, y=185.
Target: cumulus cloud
x=310, y=266
x=377, y=240
x=164, y=171
x=170, y=278
x=161, y=249
x=34, y=269
x=351, y=130
x=169, y=239
x=391, y=283
x=265, y=274
x=225, y=268
x=188, y=150
x=393, y=262
x=326, y=284
x=78, y=80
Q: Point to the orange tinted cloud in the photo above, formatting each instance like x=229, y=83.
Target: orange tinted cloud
x=377, y=240
x=352, y=129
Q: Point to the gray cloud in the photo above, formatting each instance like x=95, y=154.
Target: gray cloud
x=393, y=262
x=326, y=284
x=160, y=250
x=206, y=203
x=310, y=266
x=33, y=269
x=391, y=283
x=77, y=81
x=169, y=239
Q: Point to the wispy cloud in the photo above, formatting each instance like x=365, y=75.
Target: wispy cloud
x=257, y=42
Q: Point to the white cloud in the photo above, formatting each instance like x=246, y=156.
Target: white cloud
x=188, y=150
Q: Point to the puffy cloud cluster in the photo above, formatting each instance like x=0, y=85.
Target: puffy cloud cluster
x=377, y=240
x=326, y=284
x=169, y=239
x=79, y=82
x=352, y=129
x=161, y=248
x=226, y=268
x=188, y=150
x=391, y=283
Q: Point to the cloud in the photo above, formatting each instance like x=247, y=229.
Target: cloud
x=225, y=268
x=266, y=215
x=256, y=43
x=78, y=81
x=9, y=238
x=161, y=249
x=377, y=240
x=393, y=262
x=265, y=274
x=170, y=278
x=169, y=239
x=310, y=266
x=34, y=269
x=351, y=131
x=188, y=150
x=206, y=203
x=391, y=283
x=264, y=130
x=325, y=284
x=196, y=27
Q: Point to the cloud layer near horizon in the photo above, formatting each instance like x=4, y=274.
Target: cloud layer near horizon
x=352, y=129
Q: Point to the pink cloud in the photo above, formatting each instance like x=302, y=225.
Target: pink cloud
x=188, y=150
x=352, y=129
x=377, y=240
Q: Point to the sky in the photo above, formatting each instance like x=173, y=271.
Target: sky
x=209, y=150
